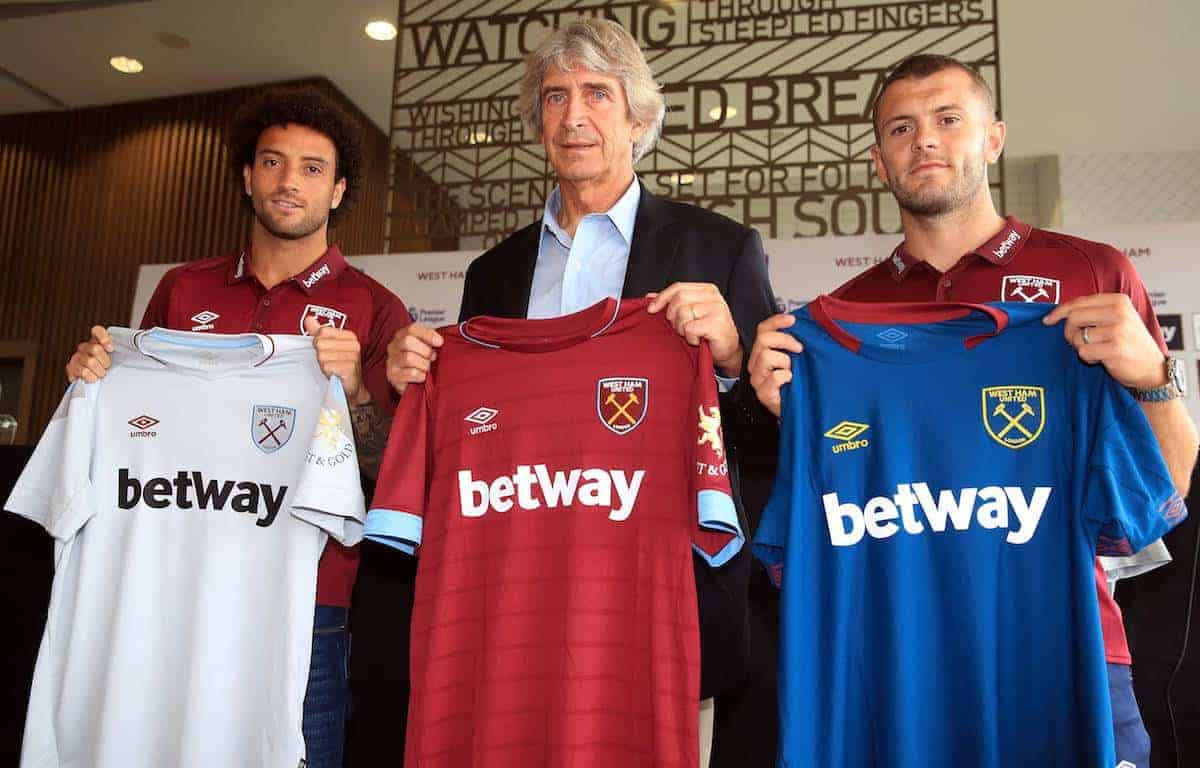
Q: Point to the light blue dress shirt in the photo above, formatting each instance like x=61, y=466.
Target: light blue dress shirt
x=574, y=273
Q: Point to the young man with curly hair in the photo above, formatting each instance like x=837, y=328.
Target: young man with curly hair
x=298, y=158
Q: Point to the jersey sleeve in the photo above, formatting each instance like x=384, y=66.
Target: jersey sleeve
x=329, y=494
x=1129, y=498
x=398, y=507
x=718, y=536
x=1116, y=274
x=55, y=490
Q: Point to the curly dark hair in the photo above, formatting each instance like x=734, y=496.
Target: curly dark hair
x=307, y=106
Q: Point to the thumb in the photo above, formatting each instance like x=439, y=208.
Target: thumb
x=311, y=326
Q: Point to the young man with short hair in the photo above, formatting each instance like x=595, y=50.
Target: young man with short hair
x=936, y=132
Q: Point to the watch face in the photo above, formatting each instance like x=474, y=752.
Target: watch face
x=1177, y=375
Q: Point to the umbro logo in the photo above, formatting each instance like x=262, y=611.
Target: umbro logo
x=142, y=426
x=846, y=433
x=204, y=320
x=482, y=417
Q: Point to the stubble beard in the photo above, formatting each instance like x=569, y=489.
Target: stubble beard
x=311, y=222
x=939, y=202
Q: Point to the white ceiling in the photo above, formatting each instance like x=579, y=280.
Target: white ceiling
x=233, y=43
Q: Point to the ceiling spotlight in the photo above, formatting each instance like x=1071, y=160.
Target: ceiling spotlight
x=686, y=178
x=479, y=137
x=715, y=113
x=126, y=65
x=381, y=30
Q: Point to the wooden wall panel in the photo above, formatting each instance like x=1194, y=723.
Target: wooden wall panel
x=87, y=196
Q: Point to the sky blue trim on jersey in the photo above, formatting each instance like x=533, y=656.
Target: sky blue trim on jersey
x=205, y=341
x=717, y=513
x=398, y=530
x=335, y=384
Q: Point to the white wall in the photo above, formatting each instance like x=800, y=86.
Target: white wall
x=1098, y=76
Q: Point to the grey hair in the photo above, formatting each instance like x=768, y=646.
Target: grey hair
x=605, y=47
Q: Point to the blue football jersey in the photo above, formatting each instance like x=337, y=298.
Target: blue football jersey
x=947, y=474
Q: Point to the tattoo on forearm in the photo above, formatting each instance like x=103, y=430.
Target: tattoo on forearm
x=371, y=429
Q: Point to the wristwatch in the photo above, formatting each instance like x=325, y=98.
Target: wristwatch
x=1176, y=385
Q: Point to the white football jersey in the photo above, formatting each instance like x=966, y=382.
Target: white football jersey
x=190, y=493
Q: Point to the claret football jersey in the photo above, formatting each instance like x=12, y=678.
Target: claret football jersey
x=189, y=493
x=554, y=477
x=947, y=475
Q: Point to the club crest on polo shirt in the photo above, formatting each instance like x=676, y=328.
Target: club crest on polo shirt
x=271, y=426
x=325, y=316
x=1014, y=416
x=1030, y=288
x=621, y=403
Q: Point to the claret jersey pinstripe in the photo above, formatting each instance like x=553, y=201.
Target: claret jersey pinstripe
x=556, y=476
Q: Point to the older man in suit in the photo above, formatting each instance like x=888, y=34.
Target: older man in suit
x=589, y=95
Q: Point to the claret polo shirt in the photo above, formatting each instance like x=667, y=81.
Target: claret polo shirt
x=221, y=295
x=1020, y=263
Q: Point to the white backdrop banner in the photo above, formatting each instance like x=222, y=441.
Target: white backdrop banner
x=1165, y=256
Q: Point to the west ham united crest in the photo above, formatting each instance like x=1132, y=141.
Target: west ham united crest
x=1015, y=415
x=325, y=316
x=621, y=403
x=1029, y=288
x=271, y=426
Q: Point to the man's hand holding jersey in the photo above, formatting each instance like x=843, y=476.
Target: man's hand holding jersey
x=699, y=311
x=770, y=362
x=339, y=353
x=410, y=353
x=1105, y=328
x=91, y=361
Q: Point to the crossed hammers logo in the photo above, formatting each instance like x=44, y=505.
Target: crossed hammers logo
x=1014, y=422
x=622, y=409
x=1020, y=291
x=271, y=432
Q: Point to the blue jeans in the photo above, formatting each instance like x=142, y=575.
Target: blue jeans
x=1129, y=733
x=328, y=690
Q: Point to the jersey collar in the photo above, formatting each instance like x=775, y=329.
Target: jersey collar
x=1007, y=243
x=544, y=335
x=327, y=268
x=216, y=355
x=826, y=311
x=1000, y=249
